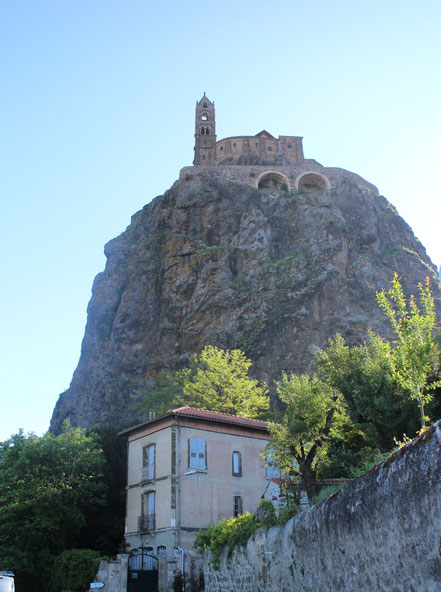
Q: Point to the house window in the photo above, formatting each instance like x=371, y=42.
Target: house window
x=162, y=550
x=197, y=453
x=270, y=469
x=238, y=507
x=205, y=105
x=237, y=464
x=147, y=520
x=148, y=462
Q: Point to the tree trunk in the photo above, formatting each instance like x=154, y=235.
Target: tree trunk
x=309, y=480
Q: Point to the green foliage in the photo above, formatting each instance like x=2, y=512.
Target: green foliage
x=231, y=532
x=325, y=492
x=104, y=530
x=74, y=569
x=368, y=464
x=415, y=348
x=351, y=448
x=235, y=532
x=315, y=413
x=267, y=514
x=216, y=380
x=166, y=394
x=286, y=261
x=47, y=485
x=364, y=375
x=178, y=582
x=287, y=512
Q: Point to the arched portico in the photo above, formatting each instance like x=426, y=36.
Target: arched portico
x=312, y=182
x=272, y=181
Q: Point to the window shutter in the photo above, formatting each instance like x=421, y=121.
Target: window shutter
x=152, y=454
x=197, y=453
x=151, y=502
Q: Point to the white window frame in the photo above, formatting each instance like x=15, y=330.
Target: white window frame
x=148, y=471
x=197, y=454
x=236, y=466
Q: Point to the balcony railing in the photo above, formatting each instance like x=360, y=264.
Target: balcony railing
x=146, y=522
x=148, y=473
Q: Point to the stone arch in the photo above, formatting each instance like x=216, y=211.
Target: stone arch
x=312, y=182
x=272, y=181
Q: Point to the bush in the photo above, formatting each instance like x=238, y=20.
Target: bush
x=326, y=492
x=288, y=512
x=230, y=532
x=266, y=514
x=178, y=583
x=74, y=570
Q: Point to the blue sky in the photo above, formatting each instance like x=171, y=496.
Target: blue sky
x=96, y=118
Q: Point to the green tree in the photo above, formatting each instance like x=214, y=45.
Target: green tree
x=415, y=348
x=104, y=530
x=46, y=486
x=364, y=375
x=216, y=380
x=74, y=569
x=315, y=413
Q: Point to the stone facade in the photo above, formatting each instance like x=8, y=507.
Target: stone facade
x=263, y=148
x=186, y=470
x=309, y=176
x=262, y=161
x=380, y=533
x=113, y=574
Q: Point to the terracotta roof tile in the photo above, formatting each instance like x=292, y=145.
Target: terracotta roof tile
x=186, y=411
x=217, y=416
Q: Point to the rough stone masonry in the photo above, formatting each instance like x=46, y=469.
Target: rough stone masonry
x=381, y=533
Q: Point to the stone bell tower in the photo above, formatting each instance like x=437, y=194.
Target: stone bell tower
x=205, y=132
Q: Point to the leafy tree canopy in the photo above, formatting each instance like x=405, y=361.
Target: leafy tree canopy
x=364, y=375
x=415, y=347
x=216, y=380
x=46, y=486
x=74, y=569
x=315, y=413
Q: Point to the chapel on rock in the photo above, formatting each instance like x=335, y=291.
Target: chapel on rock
x=263, y=161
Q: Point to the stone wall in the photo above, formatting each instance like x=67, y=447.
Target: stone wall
x=250, y=174
x=381, y=533
x=113, y=574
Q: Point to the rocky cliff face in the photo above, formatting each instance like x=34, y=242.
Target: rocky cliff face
x=214, y=262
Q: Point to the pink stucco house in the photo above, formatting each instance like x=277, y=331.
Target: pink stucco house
x=188, y=469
